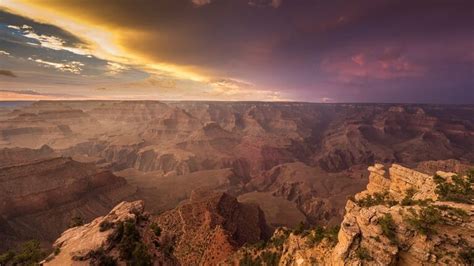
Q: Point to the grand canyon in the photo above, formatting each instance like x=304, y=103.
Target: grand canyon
x=236, y=132
x=216, y=177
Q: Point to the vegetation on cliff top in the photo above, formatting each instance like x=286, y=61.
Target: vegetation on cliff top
x=28, y=253
x=459, y=190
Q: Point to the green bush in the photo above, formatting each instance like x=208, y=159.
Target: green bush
x=28, y=253
x=459, y=190
x=363, y=254
x=105, y=225
x=460, y=213
x=6, y=257
x=388, y=227
x=331, y=234
x=375, y=199
x=140, y=255
x=270, y=258
x=156, y=229
x=168, y=249
x=409, y=201
x=99, y=257
x=247, y=260
x=320, y=233
x=128, y=240
x=424, y=221
x=277, y=241
x=467, y=256
x=76, y=221
x=299, y=228
x=316, y=236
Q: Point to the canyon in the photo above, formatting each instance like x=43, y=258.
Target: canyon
x=219, y=177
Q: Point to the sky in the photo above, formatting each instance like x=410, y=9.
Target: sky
x=229, y=50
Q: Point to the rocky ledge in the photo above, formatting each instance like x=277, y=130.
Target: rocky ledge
x=404, y=217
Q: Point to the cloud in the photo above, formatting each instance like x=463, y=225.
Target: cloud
x=276, y=3
x=265, y=3
x=48, y=41
x=34, y=95
x=72, y=67
x=201, y=2
x=235, y=89
x=14, y=27
x=28, y=92
x=390, y=64
x=7, y=73
x=115, y=68
x=359, y=59
x=327, y=99
x=231, y=84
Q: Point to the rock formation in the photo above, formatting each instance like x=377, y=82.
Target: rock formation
x=203, y=231
x=39, y=199
x=403, y=218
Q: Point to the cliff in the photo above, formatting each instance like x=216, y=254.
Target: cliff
x=39, y=199
x=404, y=217
x=205, y=230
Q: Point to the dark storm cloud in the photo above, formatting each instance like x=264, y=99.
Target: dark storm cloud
x=366, y=50
x=69, y=39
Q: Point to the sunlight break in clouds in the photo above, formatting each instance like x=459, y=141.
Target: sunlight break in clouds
x=73, y=67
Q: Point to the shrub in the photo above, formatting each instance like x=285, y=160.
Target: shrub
x=424, y=221
x=168, y=249
x=259, y=245
x=375, y=199
x=316, y=236
x=467, y=256
x=247, y=260
x=459, y=190
x=98, y=257
x=156, y=229
x=460, y=213
x=277, y=241
x=270, y=258
x=129, y=240
x=331, y=234
x=409, y=201
x=105, y=225
x=388, y=227
x=140, y=255
x=299, y=228
x=76, y=221
x=129, y=244
x=6, y=257
x=363, y=254
x=320, y=233
x=28, y=253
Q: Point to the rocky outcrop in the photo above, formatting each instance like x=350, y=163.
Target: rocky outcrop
x=12, y=156
x=79, y=244
x=403, y=218
x=203, y=231
x=209, y=228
